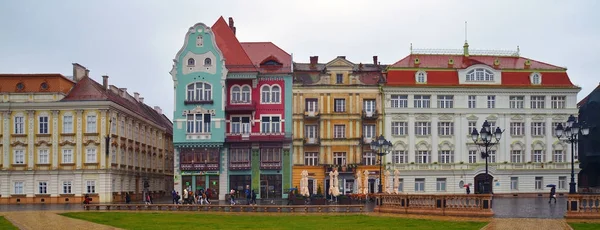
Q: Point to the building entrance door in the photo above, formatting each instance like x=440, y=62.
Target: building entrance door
x=481, y=186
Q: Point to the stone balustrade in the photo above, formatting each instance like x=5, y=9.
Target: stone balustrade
x=479, y=205
x=232, y=208
x=582, y=206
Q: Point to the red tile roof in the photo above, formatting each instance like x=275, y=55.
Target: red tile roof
x=260, y=52
x=461, y=62
x=32, y=83
x=236, y=59
x=595, y=92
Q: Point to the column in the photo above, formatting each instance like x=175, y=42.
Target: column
x=351, y=105
x=55, y=134
x=434, y=137
x=31, y=131
x=78, y=138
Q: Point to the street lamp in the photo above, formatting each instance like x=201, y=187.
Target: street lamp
x=381, y=147
x=570, y=134
x=484, y=138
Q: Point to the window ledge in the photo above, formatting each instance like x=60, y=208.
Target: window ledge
x=68, y=134
x=42, y=164
x=66, y=195
x=18, y=195
x=18, y=135
x=90, y=163
x=18, y=165
x=67, y=164
x=90, y=134
x=198, y=102
x=42, y=195
x=43, y=135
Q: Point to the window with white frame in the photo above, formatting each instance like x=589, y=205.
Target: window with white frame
x=240, y=125
x=539, y=181
x=207, y=62
x=538, y=128
x=198, y=123
x=43, y=155
x=538, y=156
x=19, y=156
x=399, y=128
x=270, y=124
x=369, y=105
x=562, y=182
x=440, y=184
x=270, y=154
x=538, y=102
x=339, y=105
x=445, y=101
x=399, y=157
x=516, y=156
x=517, y=102
x=472, y=125
x=67, y=156
x=421, y=77
x=422, y=101
x=113, y=156
x=399, y=101
x=472, y=156
x=492, y=156
x=339, y=131
x=339, y=78
x=514, y=183
x=19, y=187
x=19, y=125
x=472, y=101
x=239, y=155
x=312, y=105
x=275, y=94
x=422, y=128
x=558, y=102
x=492, y=126
x=491, y=101
x=43, y=125
x=66, y=188
x=199, y=91
x=90, y=186
x=369, y=158
x=42, y=187
x=311, y=158
x=122, y=128
x=446, y=156
x=90, y=156
x=401, y=185
x=554, y=125
x=517, y=128
x=419, y=184
x=311, y=131
x=339, y=158
x=90, y=124
x=123, y=157
x=369, y=131
x=559, y=156
x=480, y=74
x=423, y=157
x=67, y=124
x=536, y=79
x=236, y=94
x=445, y=128
x=191, y=62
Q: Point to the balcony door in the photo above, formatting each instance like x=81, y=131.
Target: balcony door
x=311, y=105
x=369, y=106
x=240, y=125
x=311, y=132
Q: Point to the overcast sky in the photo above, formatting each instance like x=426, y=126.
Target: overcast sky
x=134, y=42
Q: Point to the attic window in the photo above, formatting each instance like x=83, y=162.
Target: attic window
x=480, y=74
x=207, y=62
x=44, y=86
x=421, y=77
x=271, y=63
x=536, y=78
x=20, y=86
x=191, y=62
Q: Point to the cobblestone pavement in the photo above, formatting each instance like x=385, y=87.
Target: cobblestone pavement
x=49, y=220
x=529, y=208
x=526, y=224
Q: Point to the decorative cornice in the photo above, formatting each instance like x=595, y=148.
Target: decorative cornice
x=472, y=118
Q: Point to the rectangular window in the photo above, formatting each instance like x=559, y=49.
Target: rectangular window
x=538, y=102
x=516, y=156
x=445, y=128
x=492, y=156
x=122, y=128
x=538, y=128
x=423, y=157
x=517, y=102
x=369, y=158
x=445, y=101
x=419, y=184
x=19, y=157
x=123, y=160
x=401, y=185
x=339, y=78
x=399, y=128
x=369, y=131
x=538, y=156
x=312, y=105
x=240, y=125
x=311, y=158
x=399, y=101
x=43, y=156
x=554, y=125
x=113, y=156
x=339, y=158
x=422, y=128
x=340, y=105
x=42, y=187
x=472, y=156
x=311, y=131
x=517, y=128
x=422, y=101
x=472, y=125
x=270, y=155
x=239, y=155
x=19, y=125
x=66, y=187
x=562, y=182
x=472, y=101
x=492, y=126
x=198, y=123
x=440, y=184
x=67, y=124
x=399, y=157
x=339, y=131
x=559, y=156
x=91, y=186
x=67, y=156
x=19, y=187
x=90, y=126
x=558, y=102
x=491, y=102
x=514, y=183
x=43, y=125
x=539, y=181
x=446, y=156
x=369, y=106
x=90, y=156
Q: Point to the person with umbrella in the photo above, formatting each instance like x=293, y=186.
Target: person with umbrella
x=468, y=189
x=552, y=193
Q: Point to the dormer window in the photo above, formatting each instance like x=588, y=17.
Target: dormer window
x=480, y=74
x=207, y=62
x=191, y=62
x=271, y=63
x=536, y=78
x=421, y=77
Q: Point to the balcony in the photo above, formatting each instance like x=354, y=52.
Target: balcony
x=199, y=102
x=257, y=137
x=312, y=141
x=239, y=165
x=312, y=115
x=240, y=106
x=370, y=115
x=350, y=168
x=209, y=166
x=270, y=165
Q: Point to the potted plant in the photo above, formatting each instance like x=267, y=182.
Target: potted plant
x=344, y=200
x=462, y=162
x=318, y=199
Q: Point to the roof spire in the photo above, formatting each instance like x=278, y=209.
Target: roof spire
x=465, y=32
x=518, y=51
x=411, y=48
x=466, y=46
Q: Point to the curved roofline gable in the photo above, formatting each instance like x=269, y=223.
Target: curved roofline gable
x=480, y=65
x=270, y=58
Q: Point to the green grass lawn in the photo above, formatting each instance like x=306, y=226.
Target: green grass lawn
x=585, y=226
x=178, y=221
x=6, y=225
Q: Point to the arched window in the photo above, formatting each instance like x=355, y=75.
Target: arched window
x=191, y=62
x=480, y=74
x=266, y=94
x=236, y=94
x=275, y=94
x=421, y=77
x=207, y=61
x=199, y=91
x=246, y=93
x=536, y=78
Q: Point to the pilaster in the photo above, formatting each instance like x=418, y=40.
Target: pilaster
x=103, y=133
x=6, y=115
x=78, y=138
x=30, y=138
x=549, y=139
x=434, y=138
x=286, y=171
x=527, y=150
x=55, y=135
x=411, y=138
x=255, y=176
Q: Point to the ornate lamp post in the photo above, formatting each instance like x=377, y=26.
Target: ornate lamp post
x=486, y=139
x=381, y=147
x=570, y=134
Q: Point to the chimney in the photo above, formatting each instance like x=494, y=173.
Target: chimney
x=158, y=109
x=141, y=100
x=231, y=26
x=313, y=61
x=123, y=91
x=79, y=72
x=105, y=82
x=375, y=60
x=136, y=95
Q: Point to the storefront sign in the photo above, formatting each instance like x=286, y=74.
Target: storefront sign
x=199, y=173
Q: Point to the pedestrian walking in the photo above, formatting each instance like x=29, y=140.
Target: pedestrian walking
x=127, y=198
x=468, y=190
x=174, y=196
x=253, y=197
x=232, y=196
x=552, y=194
x=248, y=193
